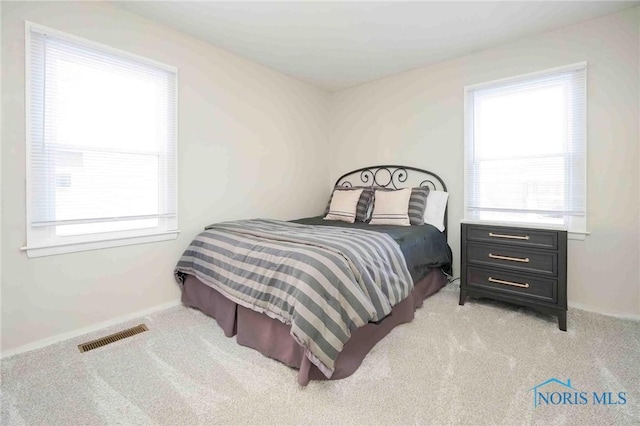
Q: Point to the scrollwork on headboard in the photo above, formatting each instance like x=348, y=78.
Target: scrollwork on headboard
x=393, y=177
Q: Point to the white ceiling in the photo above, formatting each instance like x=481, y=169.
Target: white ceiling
x=336, y=45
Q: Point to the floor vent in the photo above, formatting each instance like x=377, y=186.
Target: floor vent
x=94, y=344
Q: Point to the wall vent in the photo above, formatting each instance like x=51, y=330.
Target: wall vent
x=94, y=344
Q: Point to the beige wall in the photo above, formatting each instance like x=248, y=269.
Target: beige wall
x=250, y=145
x=416, y=118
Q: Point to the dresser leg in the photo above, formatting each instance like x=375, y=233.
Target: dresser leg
x=463, y=297
x=562, y=320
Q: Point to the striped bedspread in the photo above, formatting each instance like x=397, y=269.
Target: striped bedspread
x=324, y=281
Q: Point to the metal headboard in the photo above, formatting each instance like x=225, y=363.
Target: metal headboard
x=395, y=177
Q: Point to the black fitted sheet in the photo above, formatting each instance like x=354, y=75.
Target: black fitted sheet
x=423, y=246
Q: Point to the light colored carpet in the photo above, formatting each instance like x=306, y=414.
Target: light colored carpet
x=472, y=364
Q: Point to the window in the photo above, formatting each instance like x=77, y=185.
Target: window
x=101, y=146
x=525, y=158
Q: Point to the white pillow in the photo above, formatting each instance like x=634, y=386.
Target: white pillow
x=436, y=206
x=391, y=207
x=344, y=205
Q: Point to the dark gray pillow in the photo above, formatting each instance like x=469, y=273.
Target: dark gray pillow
x=417, y=203
x=362, y=210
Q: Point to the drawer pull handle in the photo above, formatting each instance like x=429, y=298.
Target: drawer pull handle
x=513, y=237
x=493, y=280
x=513, y=259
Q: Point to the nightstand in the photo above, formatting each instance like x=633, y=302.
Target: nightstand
x=525, y=266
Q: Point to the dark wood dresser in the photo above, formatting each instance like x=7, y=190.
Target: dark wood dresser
x=518, y=265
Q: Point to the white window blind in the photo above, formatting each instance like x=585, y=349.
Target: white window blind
x=102, y=145
x=526, y=149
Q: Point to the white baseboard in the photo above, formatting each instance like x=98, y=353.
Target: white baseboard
x=601, y=312
x=115, y=321
x=70, y=335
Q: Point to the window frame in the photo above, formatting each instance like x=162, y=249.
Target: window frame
x=576, y=226
x=39, y=244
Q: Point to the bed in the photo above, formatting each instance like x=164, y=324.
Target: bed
x=316, y=294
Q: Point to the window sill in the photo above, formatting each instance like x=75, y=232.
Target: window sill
x=580, y=236
x=98, y=244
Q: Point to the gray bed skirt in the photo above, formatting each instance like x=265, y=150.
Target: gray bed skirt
x=272, y=338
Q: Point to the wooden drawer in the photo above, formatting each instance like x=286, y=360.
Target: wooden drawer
x=529, y=287
x=514, y=258
x=533, y=238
